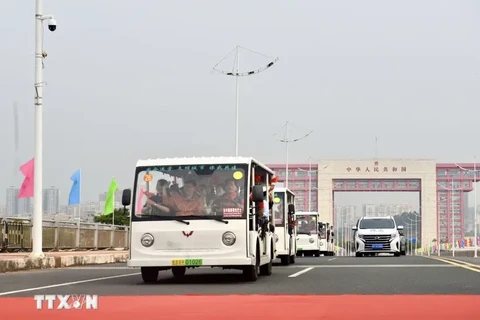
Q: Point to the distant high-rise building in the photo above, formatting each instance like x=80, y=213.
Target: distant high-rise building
x=17, y=207
x=370, y=210
x=51, y=200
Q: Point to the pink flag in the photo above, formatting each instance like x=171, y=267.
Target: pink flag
x=26, y=190
x=139, y=201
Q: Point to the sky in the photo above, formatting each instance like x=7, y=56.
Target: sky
x=128, y=80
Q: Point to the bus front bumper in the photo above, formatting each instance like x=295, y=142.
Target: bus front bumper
x=191, y=262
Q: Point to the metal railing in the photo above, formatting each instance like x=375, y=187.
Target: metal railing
x=16, y=235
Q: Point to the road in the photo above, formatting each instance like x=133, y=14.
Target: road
x=365, y=278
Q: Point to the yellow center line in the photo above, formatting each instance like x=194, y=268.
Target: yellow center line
x=461, y=264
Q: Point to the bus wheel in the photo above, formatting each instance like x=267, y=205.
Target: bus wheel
x=179, y=272
x=285, y=260
x=292, y=258
x=149, y=274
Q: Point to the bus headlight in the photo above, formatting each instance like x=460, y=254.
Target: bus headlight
x=311, y=240
x=229, y=238
x=147, y=240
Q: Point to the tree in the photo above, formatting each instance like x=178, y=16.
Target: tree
x=122, y=218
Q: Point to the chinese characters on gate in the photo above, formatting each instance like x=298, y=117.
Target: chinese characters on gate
x=377, y=169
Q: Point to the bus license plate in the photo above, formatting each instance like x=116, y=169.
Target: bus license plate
x=187, y=262
x=299, y=249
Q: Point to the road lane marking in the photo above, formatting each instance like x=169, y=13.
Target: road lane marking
x=331, y=259
x=464, y=266
x=372, y=266
x=67, y=284
x=463, y=262
x=300, y=272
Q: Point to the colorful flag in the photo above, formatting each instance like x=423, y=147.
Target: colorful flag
x=26, y=190
x=139, y=201
x=74, y=196
x=110, y=201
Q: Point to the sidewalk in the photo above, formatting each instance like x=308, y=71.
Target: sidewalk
x=10, y=262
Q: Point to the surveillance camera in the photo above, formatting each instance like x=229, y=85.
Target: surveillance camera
x=52, y=25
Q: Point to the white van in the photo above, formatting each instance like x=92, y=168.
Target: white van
x=285, y=234
x=200, y=212
x=374, y=235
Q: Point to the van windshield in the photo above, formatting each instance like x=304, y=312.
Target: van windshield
x=195, y=191
x=377, y=224
x=306, y=224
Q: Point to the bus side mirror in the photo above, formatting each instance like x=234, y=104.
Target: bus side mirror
x=257, y=193
x=291, y=208
x=126, y=197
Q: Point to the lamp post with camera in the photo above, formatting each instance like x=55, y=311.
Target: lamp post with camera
x=37, y=246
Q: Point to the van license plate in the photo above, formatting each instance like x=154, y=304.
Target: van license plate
x=377, y=246
x=188, y=262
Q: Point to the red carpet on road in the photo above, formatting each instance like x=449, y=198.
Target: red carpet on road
x=232, y=307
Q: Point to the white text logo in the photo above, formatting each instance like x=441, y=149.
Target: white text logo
x=68, y=301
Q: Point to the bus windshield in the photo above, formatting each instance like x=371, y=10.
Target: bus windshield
x=322, y=232
x=306, y=224
x=279, y=208
x=194, y=191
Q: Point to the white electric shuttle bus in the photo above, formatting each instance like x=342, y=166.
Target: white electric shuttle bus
x=200, y=212
x=325, y=237
x=308, y=240
x=285, y=233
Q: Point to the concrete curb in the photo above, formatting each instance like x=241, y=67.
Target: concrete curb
x=22, y=264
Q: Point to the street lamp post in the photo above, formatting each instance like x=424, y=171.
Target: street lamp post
x=37, y=245
x=235, y=72
x=310, y=171
x=287, y=141
x=475, y=235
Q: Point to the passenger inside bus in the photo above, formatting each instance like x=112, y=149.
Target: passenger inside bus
x=231, y=198
x=187, y=203
x=154, y=204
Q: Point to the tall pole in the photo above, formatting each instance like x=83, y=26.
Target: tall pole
x=310, y=184
x=453, y=220
x=37, y=188
x=416, y=234
x=237, y=65
x=235, y=72
x=286, y=154
x=475, y=235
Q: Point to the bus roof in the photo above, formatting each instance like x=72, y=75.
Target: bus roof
x=306, y=213
x=281, y=189
x=201, y=161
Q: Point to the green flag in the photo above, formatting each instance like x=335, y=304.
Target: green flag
x=110, y=201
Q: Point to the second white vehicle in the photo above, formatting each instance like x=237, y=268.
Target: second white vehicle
x=374, y=235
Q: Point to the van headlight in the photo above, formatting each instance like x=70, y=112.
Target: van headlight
x=360, y=236
x=229, y=238
x=147, y=240
x=393, y=236
x=311, y=240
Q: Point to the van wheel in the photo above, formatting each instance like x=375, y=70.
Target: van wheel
x=403, y=253
x=285, y=260
x=179, y=272
x=397, y=254
x=149, y=274
x=292, y=259
x=358, y=254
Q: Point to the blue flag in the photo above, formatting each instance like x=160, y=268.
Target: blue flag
x=74, y=197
